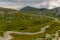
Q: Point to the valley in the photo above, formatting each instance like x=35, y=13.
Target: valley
x=28, y=25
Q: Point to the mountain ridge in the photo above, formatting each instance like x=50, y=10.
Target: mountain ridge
x=44, y=11
x=2, y=9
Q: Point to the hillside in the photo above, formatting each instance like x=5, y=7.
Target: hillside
x=16, y=21
x=42, y=11
x=6, y=10
x=30, y=20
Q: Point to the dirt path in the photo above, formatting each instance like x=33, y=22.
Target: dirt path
x=8, y=37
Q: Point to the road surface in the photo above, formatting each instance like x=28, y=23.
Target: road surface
x=8, y=37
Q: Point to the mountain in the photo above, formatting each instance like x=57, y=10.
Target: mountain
x=50, y=12
x=28, y=8
x=54, y=12
x=6, y=9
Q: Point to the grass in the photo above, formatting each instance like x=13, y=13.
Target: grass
x=1, y=34
x=23, y=37
x=31, y=22
x=54, y=26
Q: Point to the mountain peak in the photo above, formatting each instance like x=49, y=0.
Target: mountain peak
x=28, y=8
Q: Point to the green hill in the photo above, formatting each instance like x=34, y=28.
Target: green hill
x=6, y=10
x=29, y=19
x=18, y=21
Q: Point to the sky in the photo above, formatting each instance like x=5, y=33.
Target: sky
x=18, y=4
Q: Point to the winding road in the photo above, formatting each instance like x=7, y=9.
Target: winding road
x=8, y=37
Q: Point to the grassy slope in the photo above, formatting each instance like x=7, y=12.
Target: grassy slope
x=54, y=26
x=32, y=22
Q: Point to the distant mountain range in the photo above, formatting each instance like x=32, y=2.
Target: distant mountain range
x=28, y=8
x=41, y=11
x=44, y=11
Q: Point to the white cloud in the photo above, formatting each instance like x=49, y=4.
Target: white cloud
x=54, y=4
x=10, y=5
x=48, y=4
x=16, y=4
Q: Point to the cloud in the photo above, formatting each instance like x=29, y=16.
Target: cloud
x=16, y=4
x=10, y=5
x=48, y=4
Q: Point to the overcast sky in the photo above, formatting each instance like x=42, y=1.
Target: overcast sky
x=18, y=4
